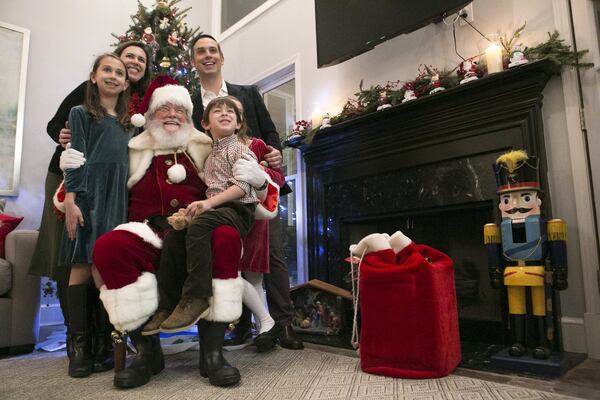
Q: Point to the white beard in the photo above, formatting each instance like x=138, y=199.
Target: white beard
x=164, y=140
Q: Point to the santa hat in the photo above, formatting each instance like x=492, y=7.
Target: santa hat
x=162, y=90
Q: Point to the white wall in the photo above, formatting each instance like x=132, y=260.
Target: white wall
x=65, y=34
x=287, y=30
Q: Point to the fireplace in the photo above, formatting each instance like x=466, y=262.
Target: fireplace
x=424, y=167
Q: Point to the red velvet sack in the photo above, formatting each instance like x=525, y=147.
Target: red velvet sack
x=409, y=318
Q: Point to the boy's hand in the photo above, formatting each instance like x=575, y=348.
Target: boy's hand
x=196, y=208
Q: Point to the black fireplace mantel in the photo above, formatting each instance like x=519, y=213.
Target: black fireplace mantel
x=426, y=153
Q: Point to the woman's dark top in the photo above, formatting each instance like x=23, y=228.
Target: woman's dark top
x=75, y=98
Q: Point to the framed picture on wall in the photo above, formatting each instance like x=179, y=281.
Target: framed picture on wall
x=14, y=47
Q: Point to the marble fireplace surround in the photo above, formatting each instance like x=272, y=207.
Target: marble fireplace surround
x=424, y=157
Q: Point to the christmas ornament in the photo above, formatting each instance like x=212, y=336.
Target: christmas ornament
x=164, y=23
x=165, y=62
x=173, y=39
x=148, y=37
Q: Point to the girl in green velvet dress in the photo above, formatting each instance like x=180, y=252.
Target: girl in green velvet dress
x=96, y=193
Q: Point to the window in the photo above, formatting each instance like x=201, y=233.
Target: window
x=279, y=92
x=230, y=15
x=233, y=11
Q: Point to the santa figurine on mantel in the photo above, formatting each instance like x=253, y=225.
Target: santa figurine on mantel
x=468, y=70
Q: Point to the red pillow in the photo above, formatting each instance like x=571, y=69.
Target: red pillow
x=7, y=224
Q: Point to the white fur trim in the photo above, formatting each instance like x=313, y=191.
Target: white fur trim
x=176, y=94
x=143, y=148
x=138, y=120
x=399, y=241
x=226, y=303
x=176, y=173
x=143, y=231
x=60, y=205
x=272, y=195
x=371, y=243
x=130, y=306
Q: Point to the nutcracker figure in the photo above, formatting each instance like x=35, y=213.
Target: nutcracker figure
x=526, y=253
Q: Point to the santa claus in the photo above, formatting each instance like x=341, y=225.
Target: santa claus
x=166, y=165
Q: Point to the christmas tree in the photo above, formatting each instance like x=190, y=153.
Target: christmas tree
x=162, y=28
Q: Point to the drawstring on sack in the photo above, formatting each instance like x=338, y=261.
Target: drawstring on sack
x=355, y=341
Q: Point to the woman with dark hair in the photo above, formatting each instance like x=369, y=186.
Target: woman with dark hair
x=137, y=58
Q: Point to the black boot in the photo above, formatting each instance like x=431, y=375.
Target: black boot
x=62, y=288
x=519, y=332
x=102, y=349
x=241, y=333
x=148, y=361
x=80, y=359
x=542, y=350
x=212, y=363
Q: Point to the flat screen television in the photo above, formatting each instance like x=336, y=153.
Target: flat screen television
x=347, y=28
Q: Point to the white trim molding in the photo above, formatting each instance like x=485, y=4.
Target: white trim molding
x=216, y=19
x=573, y=330
x=582, y=201
x=268, y=80
x=13, y=176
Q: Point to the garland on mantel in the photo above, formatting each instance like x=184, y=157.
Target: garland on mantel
x=393, y=92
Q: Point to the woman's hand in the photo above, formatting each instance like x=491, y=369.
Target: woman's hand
x=73, y=217
x=64, y=136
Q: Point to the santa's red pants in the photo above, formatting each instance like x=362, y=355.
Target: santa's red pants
x=122, y=256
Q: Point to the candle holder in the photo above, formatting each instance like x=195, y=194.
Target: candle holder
x=493, y=55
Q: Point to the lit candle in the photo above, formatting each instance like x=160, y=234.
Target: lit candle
x=316, y=118
x=493, y=58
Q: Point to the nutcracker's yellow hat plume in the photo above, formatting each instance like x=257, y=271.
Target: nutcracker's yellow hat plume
x=512, y=159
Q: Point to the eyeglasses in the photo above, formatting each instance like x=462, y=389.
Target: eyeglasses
x=166, y=109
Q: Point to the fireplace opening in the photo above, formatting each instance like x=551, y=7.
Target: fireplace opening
x=458, y=232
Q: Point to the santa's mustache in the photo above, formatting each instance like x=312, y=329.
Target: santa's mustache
x=518, y=210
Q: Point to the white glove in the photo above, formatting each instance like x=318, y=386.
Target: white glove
x=71, y=159
x=246, y=169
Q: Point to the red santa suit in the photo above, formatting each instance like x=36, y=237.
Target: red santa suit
x=128, y=256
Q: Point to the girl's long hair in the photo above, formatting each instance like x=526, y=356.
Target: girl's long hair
x=140, y=86
x=231, y=102
x=92, y=97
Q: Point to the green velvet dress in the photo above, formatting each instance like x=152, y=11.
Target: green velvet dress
x=100, y=184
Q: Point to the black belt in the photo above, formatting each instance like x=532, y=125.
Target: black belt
x=158, y=222
x=527, y=263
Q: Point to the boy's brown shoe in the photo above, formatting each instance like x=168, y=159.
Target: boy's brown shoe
x=187, y=313
x=153, y=326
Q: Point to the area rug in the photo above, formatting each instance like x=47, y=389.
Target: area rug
x=278, y=375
